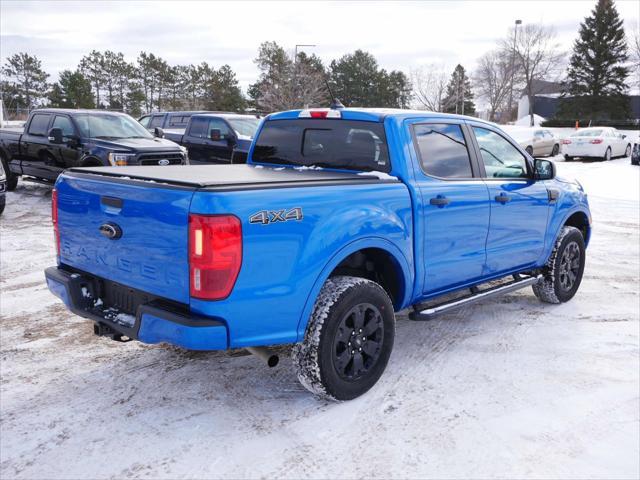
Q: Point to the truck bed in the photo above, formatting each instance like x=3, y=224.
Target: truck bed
x=228, y=176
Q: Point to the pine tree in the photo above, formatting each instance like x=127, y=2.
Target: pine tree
x=459, y=97
x=24, y=73
x=596, y=80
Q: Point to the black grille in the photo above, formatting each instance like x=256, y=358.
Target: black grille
x=155, y=158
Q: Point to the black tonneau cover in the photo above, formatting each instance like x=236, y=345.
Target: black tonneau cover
x=225, y=176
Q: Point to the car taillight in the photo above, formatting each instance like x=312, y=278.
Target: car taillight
x=596, y=140
x=54, y=219
x=566, y=141
x=215, y=255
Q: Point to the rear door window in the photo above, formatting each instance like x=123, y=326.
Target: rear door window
x=39, y=124
x=342, y=144
x=443, y=150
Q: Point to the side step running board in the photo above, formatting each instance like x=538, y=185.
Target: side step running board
x=476, y=296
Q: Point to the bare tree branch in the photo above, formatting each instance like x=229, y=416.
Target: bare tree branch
x=429, y=87
x=537, y=55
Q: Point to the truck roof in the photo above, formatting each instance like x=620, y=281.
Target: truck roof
x=72, y=111
x=376, y=114
x=224, y=115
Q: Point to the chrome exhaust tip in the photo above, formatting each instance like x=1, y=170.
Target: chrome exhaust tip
x=265, y=354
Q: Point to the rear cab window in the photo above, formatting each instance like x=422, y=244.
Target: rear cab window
x=329, y=143
x=443, y=150
x=39, y=123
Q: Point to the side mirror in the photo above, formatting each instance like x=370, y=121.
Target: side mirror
x=624, y=136
x=158, y=132
x=544, y=169
x=232, y=140
x=215, y=134
x=55, y=136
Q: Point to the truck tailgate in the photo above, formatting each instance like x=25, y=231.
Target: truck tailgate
x=150, y=248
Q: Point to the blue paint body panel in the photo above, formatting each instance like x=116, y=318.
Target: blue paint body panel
x=154, y=329
x=434, y=250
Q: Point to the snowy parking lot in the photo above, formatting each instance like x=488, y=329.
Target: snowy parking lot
x=506, y=388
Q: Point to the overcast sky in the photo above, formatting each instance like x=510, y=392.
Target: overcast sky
x=402, y=35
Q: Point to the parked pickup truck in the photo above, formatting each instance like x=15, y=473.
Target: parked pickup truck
x=55, y=139
x=216, y=137
x=166, y=120
x=340, y=218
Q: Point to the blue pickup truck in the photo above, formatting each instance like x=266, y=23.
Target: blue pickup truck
x=340, y=218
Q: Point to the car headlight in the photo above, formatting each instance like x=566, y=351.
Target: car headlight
x=185, y=154
x=121, y=159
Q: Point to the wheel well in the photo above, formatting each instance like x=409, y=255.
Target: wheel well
x=580, y=221
x=377, y=265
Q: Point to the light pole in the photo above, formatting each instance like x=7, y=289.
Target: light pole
x=513, y=54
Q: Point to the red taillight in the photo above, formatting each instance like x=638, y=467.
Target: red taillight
x=215, y=255
x=318, y=114
x=54, y=219
x=566, y=142
x=596, y=140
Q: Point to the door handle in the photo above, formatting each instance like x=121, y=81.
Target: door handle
x=440, y=201
x=503, y=198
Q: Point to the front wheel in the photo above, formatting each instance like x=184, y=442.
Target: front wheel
x=562, y=274
x=12, y=178
x=348, y=340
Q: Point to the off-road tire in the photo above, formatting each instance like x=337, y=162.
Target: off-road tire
x=314, y=358
x=550, y=289
x=12, y=178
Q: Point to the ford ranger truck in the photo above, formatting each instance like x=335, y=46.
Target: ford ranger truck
x=340, y=218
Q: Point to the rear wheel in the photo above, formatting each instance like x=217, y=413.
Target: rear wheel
x=562, y=274
x=567, y=158
x=555, y=150
x=607, y=155
x=348, y=339
x=627, y=151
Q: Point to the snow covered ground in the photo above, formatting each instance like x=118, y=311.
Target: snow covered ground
x=509, y=388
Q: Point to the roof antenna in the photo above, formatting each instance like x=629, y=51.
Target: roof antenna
x=335, y=103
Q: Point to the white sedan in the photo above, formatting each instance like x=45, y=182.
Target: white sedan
x=596, y=142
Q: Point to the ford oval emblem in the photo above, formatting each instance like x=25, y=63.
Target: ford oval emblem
x=111, y=230
x=164, y=161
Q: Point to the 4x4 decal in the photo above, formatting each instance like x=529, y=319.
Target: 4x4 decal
x=265, y=217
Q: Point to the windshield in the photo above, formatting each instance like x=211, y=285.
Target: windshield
x=353, y=145
x=244, y=126
x=110, y=127
x=587, y=133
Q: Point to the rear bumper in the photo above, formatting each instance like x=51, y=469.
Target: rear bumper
x=152, y=323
